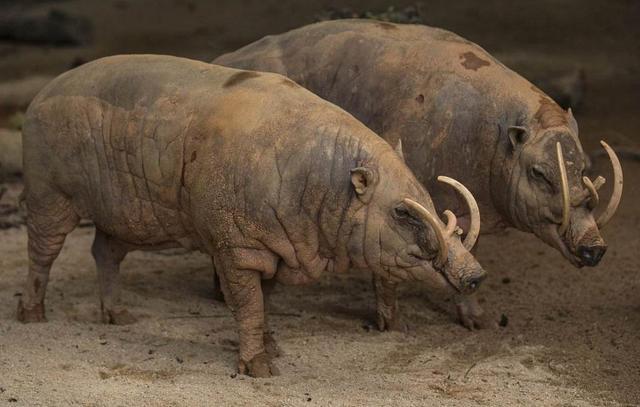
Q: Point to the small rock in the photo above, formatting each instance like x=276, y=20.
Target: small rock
x=179, y=359
x=504, y=321
x=506, y=280
x=12, y=400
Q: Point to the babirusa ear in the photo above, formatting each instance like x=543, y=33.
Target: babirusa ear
x=572, y=121
x=399, y=149
x=517, y=135
x=363, y=180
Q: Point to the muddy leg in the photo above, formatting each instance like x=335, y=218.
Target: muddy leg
x=243, y=294
x=471, y=314
x=270, y=344
x=386, y=304
x=218, y=295
x=108, y=254
x=49, y=220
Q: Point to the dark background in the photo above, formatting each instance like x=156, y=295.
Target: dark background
x=543, y=40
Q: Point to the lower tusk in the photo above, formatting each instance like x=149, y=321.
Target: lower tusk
x=452, y=223
x=593, y=193
x=616, y=195
x=599, y=182
x=565, y=191
x=474, y=212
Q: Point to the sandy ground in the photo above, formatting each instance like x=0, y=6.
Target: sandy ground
x=572, y=336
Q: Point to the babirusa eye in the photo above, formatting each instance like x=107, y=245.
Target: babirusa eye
x=537, y=173
x=400, y=212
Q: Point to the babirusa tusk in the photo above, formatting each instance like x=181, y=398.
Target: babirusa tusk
x=565, y=191
x=427, y=217
x=474, y=212
x=452, y=223
x=616, y=195
x=599, y=182
x=594, y=199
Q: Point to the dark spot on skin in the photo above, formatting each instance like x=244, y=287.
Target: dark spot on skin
x=386, y=26
x=193, y=156
x=420, y=98
x=236, y=78
x=472, y=61
x=36, y=285
x=289, y=83
x=549, y=114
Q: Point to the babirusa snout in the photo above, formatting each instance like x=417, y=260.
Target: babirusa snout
x=467, y=272
x=472, y=283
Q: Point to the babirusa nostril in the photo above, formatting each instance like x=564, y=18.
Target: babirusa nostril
x=591, y=255
x=474, y=282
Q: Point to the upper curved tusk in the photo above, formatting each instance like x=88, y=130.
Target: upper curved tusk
x=599, y=182
x=616, y=195
x=452, y=223
x=474, y=212
x=565, y=191
x=427, y=217
x=593, y=193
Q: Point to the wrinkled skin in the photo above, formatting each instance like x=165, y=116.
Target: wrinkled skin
x=271, y=181
x=451, y=105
